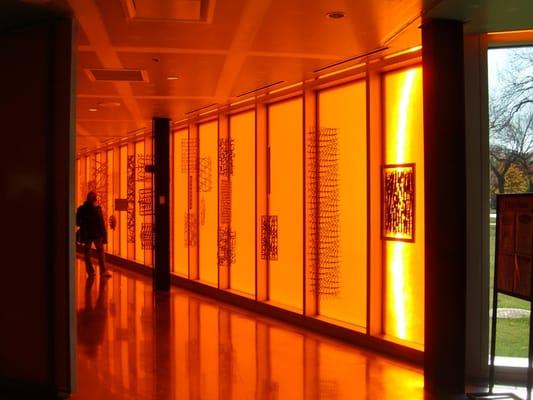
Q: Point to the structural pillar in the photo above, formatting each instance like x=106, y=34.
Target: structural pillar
x=445, y=202
x=161, y=134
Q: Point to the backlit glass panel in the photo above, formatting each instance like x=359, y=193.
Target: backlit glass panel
x=139, y=185
x=123, y=219
x=285, y=121
x=208, y=205
x=404, y=261
x=179, y=192
x=343, y=109
x=110, y=208
x=242, y=132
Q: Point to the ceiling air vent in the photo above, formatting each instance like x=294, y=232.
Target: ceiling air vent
x=117, y=75
x=169, y=10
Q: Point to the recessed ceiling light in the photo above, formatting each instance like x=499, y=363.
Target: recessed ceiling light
x=336, y=14
x=93, y=109
x=172, y=78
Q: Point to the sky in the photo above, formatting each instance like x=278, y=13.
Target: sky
x=497, y=59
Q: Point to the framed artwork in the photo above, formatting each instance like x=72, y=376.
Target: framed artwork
x=398, y=202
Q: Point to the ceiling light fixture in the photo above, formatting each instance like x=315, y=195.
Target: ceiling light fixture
x=172, y=78
x=109, y=104
x=336, y=14
x=93, y=109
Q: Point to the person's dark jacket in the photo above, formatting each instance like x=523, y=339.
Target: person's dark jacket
x=91, y=222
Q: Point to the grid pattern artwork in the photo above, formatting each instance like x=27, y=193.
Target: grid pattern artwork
x=190, y=223
x=269, y=237
x=206, y=174
x=225, y=201
x=146, y=202
x=226, y=246
x=399, y=202
x=130, y=195
x=189, y=149
x=324, y=211
x=143, y=161
x=226, y=154
x=147, y=236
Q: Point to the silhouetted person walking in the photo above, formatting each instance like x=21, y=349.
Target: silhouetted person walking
x=90, y=219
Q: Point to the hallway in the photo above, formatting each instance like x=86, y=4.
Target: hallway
x=183, y=346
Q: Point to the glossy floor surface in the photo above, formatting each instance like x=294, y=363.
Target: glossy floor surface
x=132, y=345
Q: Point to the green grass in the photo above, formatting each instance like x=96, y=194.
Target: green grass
x=512, y=337
x=512, y=334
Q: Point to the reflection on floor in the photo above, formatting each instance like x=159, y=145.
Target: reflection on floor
x=182, y=346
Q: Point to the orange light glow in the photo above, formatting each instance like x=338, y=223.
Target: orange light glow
x=340, y=71
x=123, y=219
x=139, y=185
x=404, y=262
x=208, y=207
x=242, y=272
x=517, y=32
x=344, y=108
x=207, y=350
x=110, y=208
x=285, y=121
x=180, y=256
x=402, y=52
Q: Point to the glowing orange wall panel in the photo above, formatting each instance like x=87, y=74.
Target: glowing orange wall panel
x=123, y=225
x=110, y=201
x=285, y=121
x=208, y=212
x=77, y=184
x=179, y=191
x=344, y=108
x=139, y=185
x=242, y=272
x=404, y=261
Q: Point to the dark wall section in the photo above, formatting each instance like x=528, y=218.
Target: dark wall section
x=161, y=132
x=445, y=202
x=36, y=185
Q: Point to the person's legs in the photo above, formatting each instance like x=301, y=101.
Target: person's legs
x=101, y=256
x=87, y=253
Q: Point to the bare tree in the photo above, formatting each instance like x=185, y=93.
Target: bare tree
x=511, y=118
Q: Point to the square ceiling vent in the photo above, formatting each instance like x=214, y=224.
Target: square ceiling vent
x=117, y=75
x=169, y=10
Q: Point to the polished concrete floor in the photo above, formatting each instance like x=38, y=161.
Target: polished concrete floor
x=182, y=346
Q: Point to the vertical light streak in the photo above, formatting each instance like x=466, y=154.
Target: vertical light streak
x=397, y=249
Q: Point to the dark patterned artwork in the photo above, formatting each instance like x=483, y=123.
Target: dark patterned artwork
x=130, y=193
x=226, y=154
x=142, y=162
x=206, y=174
x=147, y=236
x=269, y=237
x=189, y=148
x=190, y=224
x=225, y=201
x=226, y=246
x=399, y=202
x=146, y=202
x=323, y=211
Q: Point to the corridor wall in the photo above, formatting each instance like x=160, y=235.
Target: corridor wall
x=270, y=200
